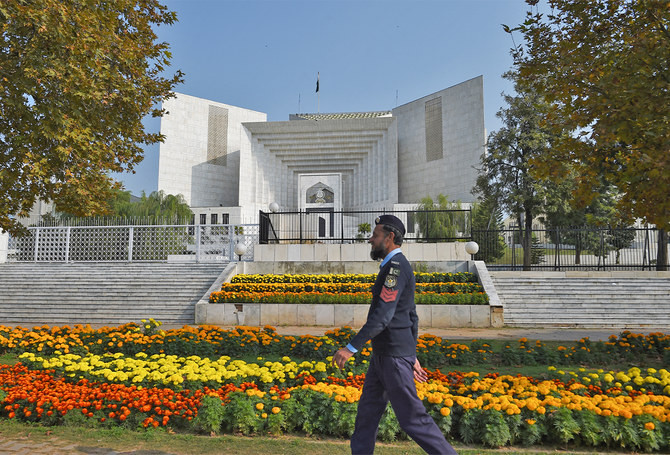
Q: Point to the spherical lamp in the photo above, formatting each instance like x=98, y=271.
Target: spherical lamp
x=274, y=207
x=240, y=249
x=471, y=247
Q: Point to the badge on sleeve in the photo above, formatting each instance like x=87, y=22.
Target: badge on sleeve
x=389, y=294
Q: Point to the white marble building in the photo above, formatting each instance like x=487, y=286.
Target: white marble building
x=229, y=162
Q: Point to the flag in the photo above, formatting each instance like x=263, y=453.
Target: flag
x=317, y=82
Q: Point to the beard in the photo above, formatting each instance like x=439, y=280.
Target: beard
x=377, y=253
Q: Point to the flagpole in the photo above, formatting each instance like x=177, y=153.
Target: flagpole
x=318, y=94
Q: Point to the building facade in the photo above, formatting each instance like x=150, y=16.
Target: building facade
x=229, y=162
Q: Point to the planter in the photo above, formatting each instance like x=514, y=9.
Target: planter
x=282, y=314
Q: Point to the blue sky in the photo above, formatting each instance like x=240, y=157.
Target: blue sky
x=372, y=55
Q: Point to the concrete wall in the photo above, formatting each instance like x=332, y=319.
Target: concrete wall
x=357, y=252
x=184, y=167
x=278, y=314
x=463, y=138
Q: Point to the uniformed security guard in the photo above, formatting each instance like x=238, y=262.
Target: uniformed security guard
x=393, y=327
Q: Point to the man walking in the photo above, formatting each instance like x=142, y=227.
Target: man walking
x=393, y=327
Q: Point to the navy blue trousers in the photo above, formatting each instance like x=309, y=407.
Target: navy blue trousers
x=392, y=378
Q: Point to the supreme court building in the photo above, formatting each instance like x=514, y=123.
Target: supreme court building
x=229, y=162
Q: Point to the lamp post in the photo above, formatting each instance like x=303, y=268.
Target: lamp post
x=274, y=207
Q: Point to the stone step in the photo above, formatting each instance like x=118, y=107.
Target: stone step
x=611, y=301
x=96, y=290
x=102, y=293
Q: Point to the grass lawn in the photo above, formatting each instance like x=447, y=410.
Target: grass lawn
x=160, y=441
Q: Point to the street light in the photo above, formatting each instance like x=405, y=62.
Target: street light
x=274, y=207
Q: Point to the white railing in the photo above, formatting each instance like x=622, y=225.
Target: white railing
x=189, y=243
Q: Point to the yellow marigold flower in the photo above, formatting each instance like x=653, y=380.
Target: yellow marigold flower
x=530, y=421
x=445, y=411
x=649, y=426
x=259, y=406
x=264, y=415
x=276, y=410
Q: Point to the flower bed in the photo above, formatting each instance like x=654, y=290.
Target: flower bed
x=431, y=289
x=119, y=376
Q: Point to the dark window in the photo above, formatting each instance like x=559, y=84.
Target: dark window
x=203, y=218
x=215, y=219
x=225, y=218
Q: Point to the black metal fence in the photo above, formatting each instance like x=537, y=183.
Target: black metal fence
x=572, y=248
x=329, y=226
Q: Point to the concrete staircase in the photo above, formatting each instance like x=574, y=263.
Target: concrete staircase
x=624, y=300
x=102, y=293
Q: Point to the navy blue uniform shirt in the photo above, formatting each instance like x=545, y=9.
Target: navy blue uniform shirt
x=392, y=323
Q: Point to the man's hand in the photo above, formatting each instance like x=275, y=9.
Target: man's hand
x=419, y=373
x=341, y=357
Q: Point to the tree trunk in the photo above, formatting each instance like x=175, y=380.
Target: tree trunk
x=527, y=239
x=662, y=255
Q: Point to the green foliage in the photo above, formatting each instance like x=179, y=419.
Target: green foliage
x=436, y=221
x=600, y=211
x=157, y=208
x=536, y=251
x=590, y=433
x=364, y=230
x=210, y=415
x=561, y=425
x=486, y=230
x=486, y=427
x=75, y=418
x=76, y=84
x=389, y=428
x=601, y=68
x=506, y=176
x=531, y=431
x=238, y=415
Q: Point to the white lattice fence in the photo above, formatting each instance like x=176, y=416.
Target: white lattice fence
x=134, y=243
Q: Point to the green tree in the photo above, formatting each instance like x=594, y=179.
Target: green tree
x=77, y=77
x=436, y=222
x=506, y=167
x=159, y=207
x=582, y=222
x=603, y=67
x=486, y=230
